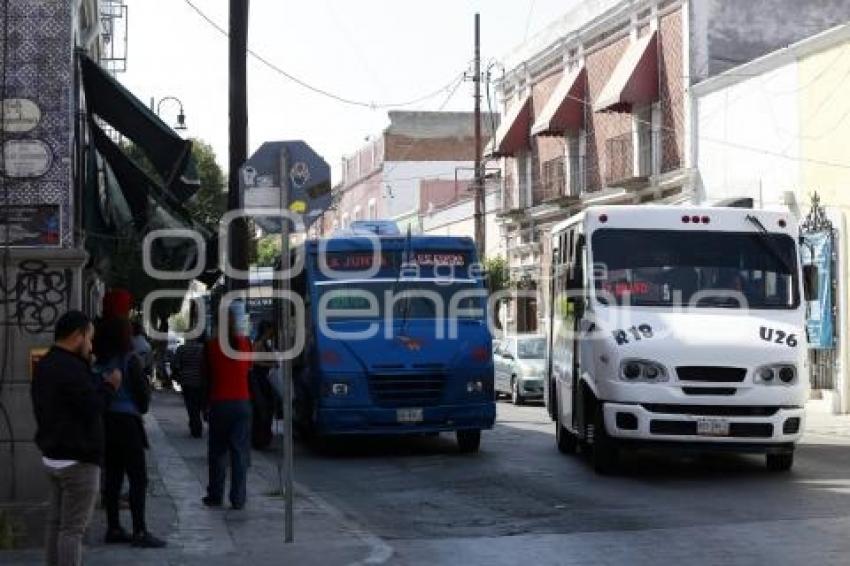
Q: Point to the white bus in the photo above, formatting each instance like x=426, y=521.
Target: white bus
x=680, y=328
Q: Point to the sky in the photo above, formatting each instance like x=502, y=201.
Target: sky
x=373, y=51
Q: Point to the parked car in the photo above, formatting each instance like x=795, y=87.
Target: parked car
x=519, y=365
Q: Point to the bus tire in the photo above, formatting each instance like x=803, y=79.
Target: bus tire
x=516, y=397
x=782, y=462
x=604, y=453
x=468, y=441
x=566, y=441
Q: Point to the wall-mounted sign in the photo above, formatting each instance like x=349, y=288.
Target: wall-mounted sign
x=20, y=115
x=26, y=159
x=817, y=250
x=30, y=225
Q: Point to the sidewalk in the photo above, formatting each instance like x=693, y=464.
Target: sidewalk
x=821, y=422
x=198, y=535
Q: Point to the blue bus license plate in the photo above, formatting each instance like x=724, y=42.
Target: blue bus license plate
x=409, y=416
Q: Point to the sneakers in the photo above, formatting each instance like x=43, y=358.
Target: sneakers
x=146, y=540
x=117, y=536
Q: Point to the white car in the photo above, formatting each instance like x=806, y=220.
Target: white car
x=520, y=367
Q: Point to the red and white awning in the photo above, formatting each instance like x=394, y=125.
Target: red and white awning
x=635, y=80
x=513, y=132
x=564, y=111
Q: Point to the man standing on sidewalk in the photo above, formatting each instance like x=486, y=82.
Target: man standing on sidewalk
x=186, y=369
x=69, y=405
x=229, y=416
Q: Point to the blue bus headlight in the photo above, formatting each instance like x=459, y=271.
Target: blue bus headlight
x=336, y=389
x=475, y=386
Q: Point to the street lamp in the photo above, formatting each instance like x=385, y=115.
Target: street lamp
x=181, y=117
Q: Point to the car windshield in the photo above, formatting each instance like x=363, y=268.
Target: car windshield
x=412, y=299
x=702, y=269
x=531, y=348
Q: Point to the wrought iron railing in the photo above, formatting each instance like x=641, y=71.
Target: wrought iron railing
x=620, y=158
x=560, y=178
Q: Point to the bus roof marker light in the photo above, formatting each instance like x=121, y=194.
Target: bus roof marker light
x=706, y=219
x=686, y=219
x=695, y=219
x=603, y=218
x=782, y=223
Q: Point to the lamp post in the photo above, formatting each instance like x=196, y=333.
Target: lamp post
x=181, y=116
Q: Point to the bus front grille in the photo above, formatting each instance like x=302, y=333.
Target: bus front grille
x=712, y=374
x=406, y=390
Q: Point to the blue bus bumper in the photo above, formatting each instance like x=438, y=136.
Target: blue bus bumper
x=376, y=420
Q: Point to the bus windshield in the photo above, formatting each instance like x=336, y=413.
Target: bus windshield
x=423, y=299
x=701, y=269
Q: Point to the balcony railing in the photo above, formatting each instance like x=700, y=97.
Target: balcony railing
x=620, y=159
x=561, y=179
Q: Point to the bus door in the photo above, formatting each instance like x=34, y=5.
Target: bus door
x=562, y=327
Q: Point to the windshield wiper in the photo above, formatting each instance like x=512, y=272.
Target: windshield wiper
x=768, y=243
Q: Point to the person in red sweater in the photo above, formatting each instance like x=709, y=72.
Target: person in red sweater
x=229, y=403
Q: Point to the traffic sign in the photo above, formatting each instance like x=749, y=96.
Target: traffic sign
x=308, y=181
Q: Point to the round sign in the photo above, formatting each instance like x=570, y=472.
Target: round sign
x=20, y=115
x=26, y=159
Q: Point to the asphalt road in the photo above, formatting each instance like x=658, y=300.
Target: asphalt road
x=519, y=501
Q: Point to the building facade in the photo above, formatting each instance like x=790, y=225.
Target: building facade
x=775, y=132
x=75, y=206
x=40, y=239
x=597, y=110
x=384, y=178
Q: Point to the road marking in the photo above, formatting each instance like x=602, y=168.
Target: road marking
x=379, y=551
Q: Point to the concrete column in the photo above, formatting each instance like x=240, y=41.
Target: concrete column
x=42, y=284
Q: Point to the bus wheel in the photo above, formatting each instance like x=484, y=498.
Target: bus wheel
x=469, y=441
x=516, y=397
x=604, y=452
x=782, y=462
x=567, y=441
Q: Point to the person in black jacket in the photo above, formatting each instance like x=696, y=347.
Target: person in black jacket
x=69, y=405
x=126, y=439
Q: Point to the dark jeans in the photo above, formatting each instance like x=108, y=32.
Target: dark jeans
x=192, y=398
x=73, y=492
x=125, y=454
x=230, y=434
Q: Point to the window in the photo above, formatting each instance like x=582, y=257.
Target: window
x=702, y=269
x=373, y=209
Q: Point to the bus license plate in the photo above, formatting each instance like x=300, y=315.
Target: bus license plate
x=409, y=416
x=712, y=427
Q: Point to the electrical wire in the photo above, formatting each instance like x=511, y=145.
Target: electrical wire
x=320, y=91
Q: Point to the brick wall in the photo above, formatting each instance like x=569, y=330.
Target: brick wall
x=403, y=148
x=602, y=126
x=671, y=91
x=543, y=148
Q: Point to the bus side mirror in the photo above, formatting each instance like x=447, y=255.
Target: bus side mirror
x=810, y=282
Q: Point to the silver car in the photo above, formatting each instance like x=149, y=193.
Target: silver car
x=520, y=364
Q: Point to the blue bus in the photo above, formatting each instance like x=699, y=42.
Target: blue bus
x=397, y=340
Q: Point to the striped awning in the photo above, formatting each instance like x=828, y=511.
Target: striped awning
x=634, y=81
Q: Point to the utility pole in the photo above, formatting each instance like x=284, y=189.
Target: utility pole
x=239, y=237
x=479, y=177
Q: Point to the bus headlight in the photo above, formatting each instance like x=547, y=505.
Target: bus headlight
x=337, y=389
x=643, y=371
x=776, y=374
x=474, y=386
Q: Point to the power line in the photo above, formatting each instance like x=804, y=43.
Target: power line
x=317, y=90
